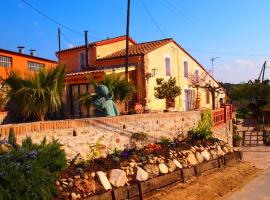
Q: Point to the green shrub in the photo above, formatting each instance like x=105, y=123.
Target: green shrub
x=236, y=137
x=235, y=128
x=204, y=128
x=139, y=136
x=29, y=171
x=165, y=140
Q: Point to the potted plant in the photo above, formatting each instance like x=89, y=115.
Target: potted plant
x=237, y=139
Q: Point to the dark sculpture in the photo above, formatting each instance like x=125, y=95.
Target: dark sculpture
x=103, y=103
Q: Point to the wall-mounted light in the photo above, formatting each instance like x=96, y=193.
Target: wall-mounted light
x=152, y=73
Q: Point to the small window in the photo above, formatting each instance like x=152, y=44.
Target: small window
x=186, y=69
x=82, y=59
x=197, y=75
x=168, y=70
x=207, y=96
x=5, y=61
x=34, y=66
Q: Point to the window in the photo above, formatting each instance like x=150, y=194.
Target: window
x=5, y=61
x=197, y=75
x=186, y=69
x=168, y=70
x=34, y=66
x=82, y=59
x=207, y=96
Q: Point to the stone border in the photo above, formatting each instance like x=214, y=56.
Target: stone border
x=140, y=189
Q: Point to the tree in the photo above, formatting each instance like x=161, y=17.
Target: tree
x=201, y=81
x=34, y=95
x=167, y=90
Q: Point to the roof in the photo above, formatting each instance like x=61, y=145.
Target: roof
x=83, y=73
x=138, y=49
x=100, y=43
x=26, y=55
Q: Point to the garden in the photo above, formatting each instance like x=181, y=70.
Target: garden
x=34, y=171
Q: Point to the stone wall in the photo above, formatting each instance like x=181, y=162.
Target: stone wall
x=113, y=132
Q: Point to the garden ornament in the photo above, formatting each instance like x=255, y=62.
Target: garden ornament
x=103, y=103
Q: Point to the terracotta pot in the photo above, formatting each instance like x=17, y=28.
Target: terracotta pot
x=237, y=143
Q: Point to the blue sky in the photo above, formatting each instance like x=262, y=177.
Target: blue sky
x=231, y=29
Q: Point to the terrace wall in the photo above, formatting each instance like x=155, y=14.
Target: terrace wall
x=113, y=132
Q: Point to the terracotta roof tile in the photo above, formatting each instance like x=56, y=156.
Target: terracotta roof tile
x=138, y=49
x=100, y=42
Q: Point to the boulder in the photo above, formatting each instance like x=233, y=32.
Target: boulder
x=193, y=149
x=85, y=186
x=171, y=165
x=199, y=157
x=213, y=154
x=191, y=159
x=141, y=174
x=104, y=180
x=118, y=177
x=152, y=169
x=163, y=168
x=220, y=153
x=206, y=155
x=225, y=149
x=177, y=164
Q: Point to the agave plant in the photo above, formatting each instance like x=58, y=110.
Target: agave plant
x=36, y=94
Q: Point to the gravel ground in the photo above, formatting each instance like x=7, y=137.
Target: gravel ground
x=212, y=185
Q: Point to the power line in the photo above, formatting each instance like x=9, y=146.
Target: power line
x=153, y=19
x=67, y=39
x=53, y=20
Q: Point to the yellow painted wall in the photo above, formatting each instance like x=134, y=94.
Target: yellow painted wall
x=108, y=49
x=156, y=59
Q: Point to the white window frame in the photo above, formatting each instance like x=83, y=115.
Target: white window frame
x=35, y=66
x=170, y=57
x=185, y=60
x=5, y=61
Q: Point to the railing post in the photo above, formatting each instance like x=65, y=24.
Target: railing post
x=244, y=137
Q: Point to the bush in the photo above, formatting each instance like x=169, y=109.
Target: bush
x=204, y=129
x=237, y=137
x=29, y=171
x=139, y=136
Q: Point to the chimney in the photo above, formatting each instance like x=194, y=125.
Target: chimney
x=32, y=52
x=20, y=49
x=86, y=49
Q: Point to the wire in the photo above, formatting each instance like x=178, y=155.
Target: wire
x=66, y=38
x=153, y=19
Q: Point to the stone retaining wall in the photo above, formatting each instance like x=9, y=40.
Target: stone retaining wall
x=113, y=132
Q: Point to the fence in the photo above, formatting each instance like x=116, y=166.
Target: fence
x=222, y=115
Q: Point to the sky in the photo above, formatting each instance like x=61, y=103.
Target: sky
x=236, y=31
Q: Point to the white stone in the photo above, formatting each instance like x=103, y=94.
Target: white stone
x=206, y=155
x=225, y=149
x=177, y=163
x=141, y=174
x=191, y=159
x=220, y=152
x=104, y=180
x=118, y=177
x=163, y=168
x=213, y=154
x=199, y=157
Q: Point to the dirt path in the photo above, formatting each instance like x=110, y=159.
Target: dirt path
x=213, y=185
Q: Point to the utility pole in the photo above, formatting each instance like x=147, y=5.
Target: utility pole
x=59, y=39
x=86, y=49
x=212, y=60
x=127, y=40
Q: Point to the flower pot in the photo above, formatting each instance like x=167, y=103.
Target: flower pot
x=237, y=143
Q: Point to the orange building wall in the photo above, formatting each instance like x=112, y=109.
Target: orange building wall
x=19, y=63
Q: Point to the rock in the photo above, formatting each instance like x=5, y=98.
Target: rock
x=73, y=195
x=132, y=164
x=104, y=180
x=160, y=160
x=141, y=174
x=199, y=157
x=85, y=176
x=152, y=169
x=77, y=176
x=57, y=183
x=93, y=174
x=70, y=179
x=225, y=149
x=163, y=169
x=118, y=177
x=220, y=152
x=206, y=155
x=213, y=154
x=85, y=186
x=177, y=164
x=192, y=149
x=171, y=165
x=191, y=159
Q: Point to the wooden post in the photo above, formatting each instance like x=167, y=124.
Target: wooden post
x=244, y=137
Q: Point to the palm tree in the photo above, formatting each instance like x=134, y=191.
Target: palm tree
x=36, y=94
